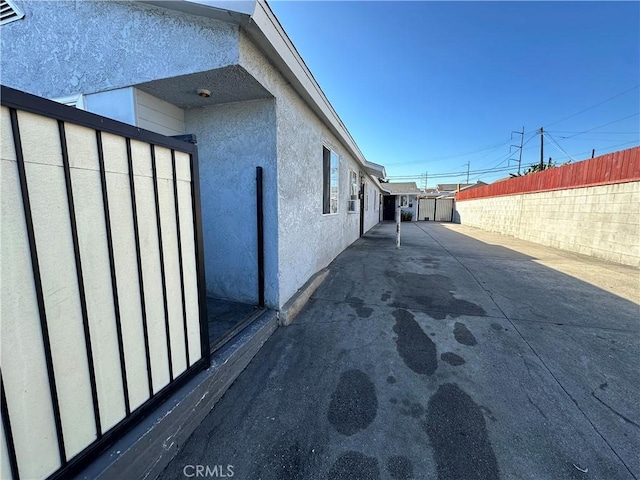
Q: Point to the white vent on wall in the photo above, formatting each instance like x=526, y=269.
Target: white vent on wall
x=76, y=101
x=9, y=12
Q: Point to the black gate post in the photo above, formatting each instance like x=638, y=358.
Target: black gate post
x=260, y=228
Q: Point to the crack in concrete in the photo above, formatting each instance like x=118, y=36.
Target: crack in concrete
x=536, y=406
x=606, y=329
x=628, y=420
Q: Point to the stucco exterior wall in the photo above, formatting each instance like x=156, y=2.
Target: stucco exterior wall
x=98, y=46
x=372, y=209
x=307, y=240
x=234, y=139
x=601, y=221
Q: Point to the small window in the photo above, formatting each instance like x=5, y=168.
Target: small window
x=353, y=192
x=353, y=185
x=330, y=174
x=404, y=201
x=9, y=12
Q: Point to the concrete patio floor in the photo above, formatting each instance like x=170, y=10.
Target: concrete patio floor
x=463, y=355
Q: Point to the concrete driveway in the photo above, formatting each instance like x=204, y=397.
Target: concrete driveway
x=463, y=355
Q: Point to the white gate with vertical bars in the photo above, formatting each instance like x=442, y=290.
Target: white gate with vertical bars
x=436, y=209
x=103, y=309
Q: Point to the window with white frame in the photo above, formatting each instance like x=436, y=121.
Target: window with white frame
x=330, y=177
x=353, y=185
x=353, y=191
x=404, y=200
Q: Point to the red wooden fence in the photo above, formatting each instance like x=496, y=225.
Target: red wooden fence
x=616, y=167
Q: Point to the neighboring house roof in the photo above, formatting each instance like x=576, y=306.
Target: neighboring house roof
x=453, y=187
x=402, y=188
x=257, y=19
x=431, y=193
x=375, y=170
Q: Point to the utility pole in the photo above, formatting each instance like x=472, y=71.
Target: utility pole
x=468, y=164
x=520, y=147
x=541, y=148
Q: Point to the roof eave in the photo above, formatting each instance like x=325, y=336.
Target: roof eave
x=263, y=27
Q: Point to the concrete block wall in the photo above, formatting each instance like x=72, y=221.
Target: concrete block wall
x=601, y=221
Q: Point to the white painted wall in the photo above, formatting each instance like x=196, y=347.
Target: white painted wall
x=412, y=202
x=602, y=221
x=135, y=107
x=157, y=115
x=372, y=204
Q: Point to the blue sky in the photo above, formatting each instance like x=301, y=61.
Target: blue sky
x=430, y=86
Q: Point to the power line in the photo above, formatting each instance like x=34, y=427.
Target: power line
x=477, y=174
x=604, y=148
x=600, y=126
x=448, y=157
x=599, y=133
x=594, y=106
x=449, y=174
x=557, y=145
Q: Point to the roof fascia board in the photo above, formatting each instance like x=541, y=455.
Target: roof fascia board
x=238, y=12
x=375, y=169
x=266, y=30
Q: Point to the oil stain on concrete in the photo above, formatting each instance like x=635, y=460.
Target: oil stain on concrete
x=458, y=433
x=463, y=335
x=354, y=466
x=414, y=346
x=400, y=468
x=452, y=359
x=432, y=292
x=354, y=403
x=358, y=304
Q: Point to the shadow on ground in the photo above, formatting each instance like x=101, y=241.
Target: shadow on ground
x=449, y=358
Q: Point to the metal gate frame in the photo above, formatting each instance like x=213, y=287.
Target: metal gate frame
x=435, y=208
x=16, y=100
